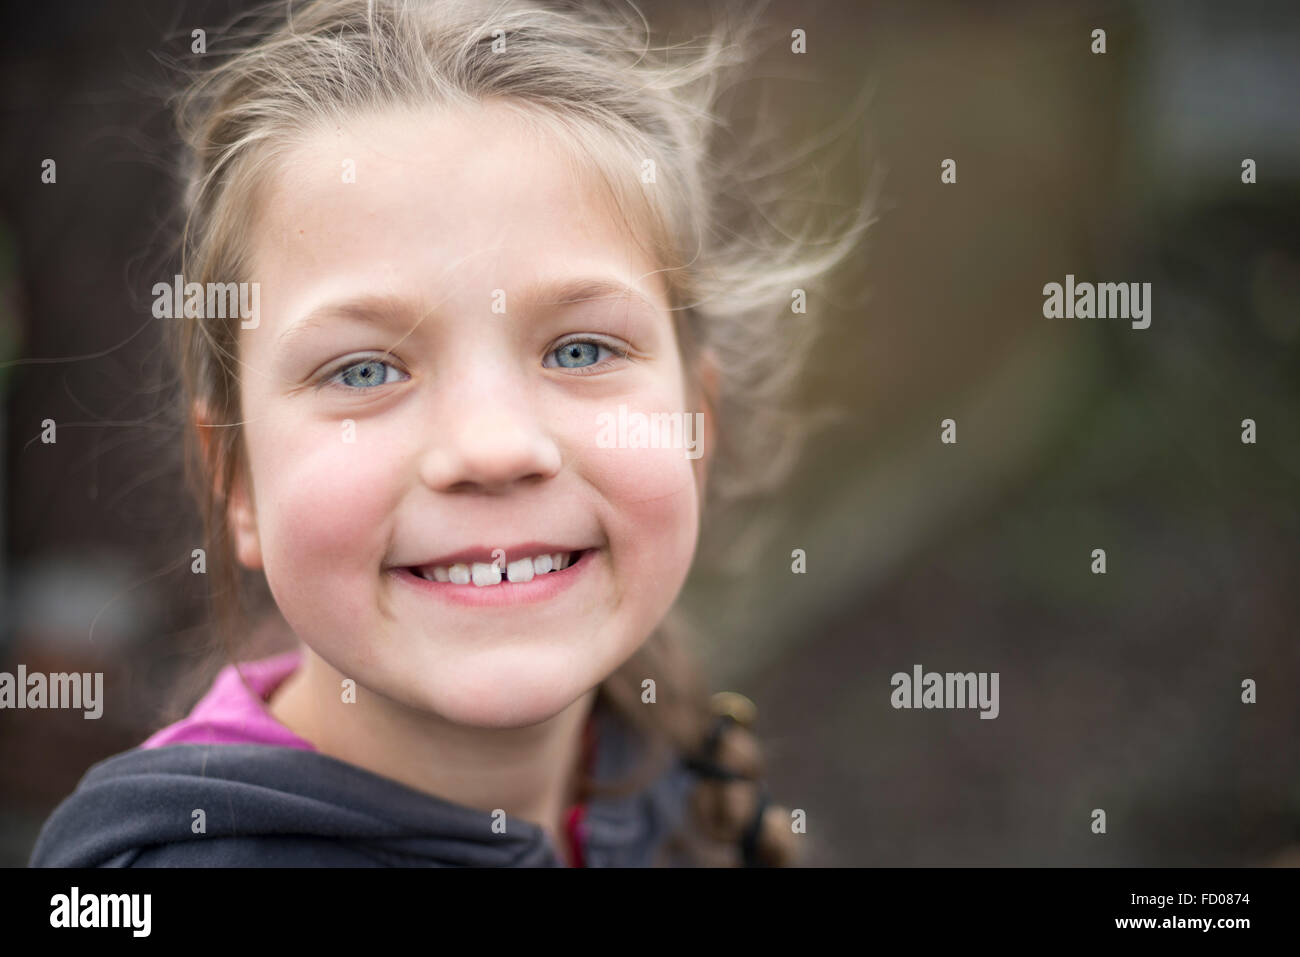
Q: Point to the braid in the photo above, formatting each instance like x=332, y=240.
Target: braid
x=732, y=803
x=734, y=821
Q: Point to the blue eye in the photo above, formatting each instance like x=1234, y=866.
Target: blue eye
x=368, y=373
x=579, y=353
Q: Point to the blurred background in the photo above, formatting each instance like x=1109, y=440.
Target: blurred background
x=1119, y=691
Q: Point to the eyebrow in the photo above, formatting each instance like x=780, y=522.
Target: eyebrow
x=570, y=291
x=384, y=308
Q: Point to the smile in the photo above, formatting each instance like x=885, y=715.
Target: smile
x=484, y=584
x=483, y=574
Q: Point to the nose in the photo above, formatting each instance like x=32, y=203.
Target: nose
x=489, y=447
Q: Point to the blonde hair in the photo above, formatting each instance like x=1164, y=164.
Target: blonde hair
x=593, y=76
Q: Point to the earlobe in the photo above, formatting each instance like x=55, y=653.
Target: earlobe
x=242, y=518
x=240, y=513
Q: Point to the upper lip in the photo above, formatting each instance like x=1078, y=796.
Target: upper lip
x=483, y=554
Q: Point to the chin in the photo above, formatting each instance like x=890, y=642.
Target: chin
x=510, y=695
x=504, y=712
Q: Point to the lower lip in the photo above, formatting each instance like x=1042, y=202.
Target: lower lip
x=541, y=588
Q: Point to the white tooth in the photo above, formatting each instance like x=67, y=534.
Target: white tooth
x=485, y=574
x=543, y=564
x=520, y=571
x=440, y=574
x=459, y=574
x=557, y=561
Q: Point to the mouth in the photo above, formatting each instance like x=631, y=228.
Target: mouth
x=492, y=584
x=498, y=569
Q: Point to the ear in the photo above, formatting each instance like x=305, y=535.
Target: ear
x=241, y=514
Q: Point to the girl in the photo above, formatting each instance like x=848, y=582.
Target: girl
x=479, y=234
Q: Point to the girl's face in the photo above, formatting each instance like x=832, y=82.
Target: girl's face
x=417, y=395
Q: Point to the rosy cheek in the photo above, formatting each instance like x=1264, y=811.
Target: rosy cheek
x=659, y=520
x=647, y=481
x=651, y=494
x=324, y=502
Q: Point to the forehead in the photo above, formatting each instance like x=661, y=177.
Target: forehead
x=469, y=200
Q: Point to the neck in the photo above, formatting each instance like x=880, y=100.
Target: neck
x=531, y=773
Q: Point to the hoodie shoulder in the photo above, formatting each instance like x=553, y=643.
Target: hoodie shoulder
x=263, y=851
x=171, y=806
x=191, y=805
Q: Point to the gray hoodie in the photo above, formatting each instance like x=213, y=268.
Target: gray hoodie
x=284, y=807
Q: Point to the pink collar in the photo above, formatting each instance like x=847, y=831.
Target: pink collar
x=229, y=714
